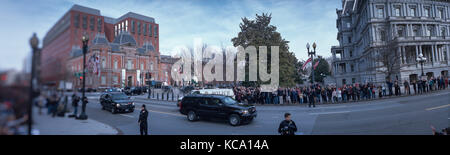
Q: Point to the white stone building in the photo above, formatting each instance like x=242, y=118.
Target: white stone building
x=408, y=27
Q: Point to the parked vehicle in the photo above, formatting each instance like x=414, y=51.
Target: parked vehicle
x=116, y=102
x=198, y=106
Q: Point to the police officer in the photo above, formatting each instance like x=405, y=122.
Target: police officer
x=287, y=126
x=143, y=120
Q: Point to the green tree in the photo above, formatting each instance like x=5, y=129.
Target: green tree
x=322, y=70
x=259, y=32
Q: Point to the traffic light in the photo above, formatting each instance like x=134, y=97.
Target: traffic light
x=81, y=77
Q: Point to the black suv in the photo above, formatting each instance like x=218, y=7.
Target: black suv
x=217, y=106
x=116, y=102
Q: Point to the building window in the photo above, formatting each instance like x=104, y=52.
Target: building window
x=348, y=25
x=400, y=31
x=126, y=25
x=151, y=66
x=443, y=32
x=349, y=40
x=76, y=21
x=429, y=31
x=156, y=31
x=139, y=27
x=99, y=25
x=103, y=80
x=150, y=28
x=115, y=64
x=129, y=64
x=427, y=11
x=142, y=66
x=133, y=27
x=115, y=79
x=351, y=53
x=382, y=35
x=103, y=63
x=145, y=29
x=397, y=11
x=412, y=11
x=344, y=81
x=380, y=12
x=92, y=23
x=84, y=22
x=353, y=80
x=416, y=31
x=352, y=68
x=440, y=13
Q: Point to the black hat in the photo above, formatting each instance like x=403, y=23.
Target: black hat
x=143, y=105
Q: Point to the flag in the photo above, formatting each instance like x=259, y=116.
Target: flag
x=317, y=64
x=306, y=63
x=97, y=65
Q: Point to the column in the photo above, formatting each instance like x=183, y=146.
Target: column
x=432, y=54
x=404, y=55
x=401, y=54
x=388, y=9
x=447, y=53
x=417, y=54
x=371, y=10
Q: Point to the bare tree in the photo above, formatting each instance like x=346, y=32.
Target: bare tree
x=386, y=60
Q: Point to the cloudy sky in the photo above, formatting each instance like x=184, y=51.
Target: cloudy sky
x=215, y=21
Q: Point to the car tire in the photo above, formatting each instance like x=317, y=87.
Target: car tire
x=234, y=120
x=113, y=110
x=192, y=116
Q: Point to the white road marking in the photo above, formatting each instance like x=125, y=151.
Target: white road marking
x=167, y=113
x=127, y=115
x=439, y=107
x=324, y=113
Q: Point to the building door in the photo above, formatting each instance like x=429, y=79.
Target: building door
x=444, y=73
x=413, y=77
x=130, y=81
x=430, y=75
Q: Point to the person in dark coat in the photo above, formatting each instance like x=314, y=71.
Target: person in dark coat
x=143, y=121
x=287, y=126
x=75, y=100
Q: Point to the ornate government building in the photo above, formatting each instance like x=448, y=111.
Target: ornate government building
x=407, y=28
x=125, y=49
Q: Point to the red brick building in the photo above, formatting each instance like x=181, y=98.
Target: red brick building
x=126, y=49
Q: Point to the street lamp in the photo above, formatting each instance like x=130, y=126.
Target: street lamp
x=421, y=59
x=85, y=40
x=34, y=42
x=312, y=53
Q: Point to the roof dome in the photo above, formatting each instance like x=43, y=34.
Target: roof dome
x=76, y=51
x=147, y=47
x=100, y=39
x=125, y=38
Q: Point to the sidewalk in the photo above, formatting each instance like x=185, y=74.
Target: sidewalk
x=48, y=125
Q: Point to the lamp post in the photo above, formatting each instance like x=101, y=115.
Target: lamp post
x=34, y=42
x=85, y=40
x=312, y=53
x=421, y=59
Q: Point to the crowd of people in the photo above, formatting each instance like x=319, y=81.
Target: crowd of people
x=317, y=93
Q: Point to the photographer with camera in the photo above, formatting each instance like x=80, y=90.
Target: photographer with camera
x=287, y=126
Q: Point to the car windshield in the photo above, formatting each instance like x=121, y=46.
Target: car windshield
x=229, y=101
x=119, y=97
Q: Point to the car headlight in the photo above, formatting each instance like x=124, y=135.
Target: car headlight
x=117, y=105
x=132, y=103
x=244, y=112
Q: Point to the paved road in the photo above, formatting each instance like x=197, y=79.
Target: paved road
x=403, y=115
